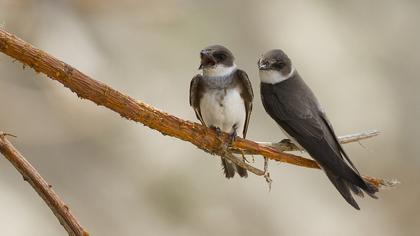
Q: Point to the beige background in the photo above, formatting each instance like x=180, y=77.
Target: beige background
x=121, y=178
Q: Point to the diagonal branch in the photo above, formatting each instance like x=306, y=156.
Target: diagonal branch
x=31, y=175
x=103, y=95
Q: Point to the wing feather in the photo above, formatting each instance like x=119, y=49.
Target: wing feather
x=298, y=114
x=294, y=107
x=247, y=94
x=195, y=96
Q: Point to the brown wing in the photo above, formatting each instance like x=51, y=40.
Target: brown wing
x=247, y=95
x=195, y=96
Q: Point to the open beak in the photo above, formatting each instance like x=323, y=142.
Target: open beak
x=206, y=59
x=262, y=65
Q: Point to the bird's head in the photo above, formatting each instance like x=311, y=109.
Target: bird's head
x=216, y=60
x=275, y=66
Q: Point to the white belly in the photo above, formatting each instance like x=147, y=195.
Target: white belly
x=223, y=110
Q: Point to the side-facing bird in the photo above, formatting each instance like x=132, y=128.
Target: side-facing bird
x=222, y=97
x=292, y=104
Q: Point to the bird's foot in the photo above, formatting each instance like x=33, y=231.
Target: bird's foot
x=288, y=145
x=286, y=141
x=223, y=147
x=232, y=138
x=217, y=130
x=218, y=133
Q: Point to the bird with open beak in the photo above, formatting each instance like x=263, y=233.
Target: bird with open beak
x=222, y=98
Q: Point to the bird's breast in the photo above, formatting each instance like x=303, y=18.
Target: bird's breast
x=223, y=108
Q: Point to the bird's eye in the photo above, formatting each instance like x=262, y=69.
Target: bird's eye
x=220, y=56
x=279, y=65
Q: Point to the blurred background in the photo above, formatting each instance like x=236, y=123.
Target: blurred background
x=361, y=58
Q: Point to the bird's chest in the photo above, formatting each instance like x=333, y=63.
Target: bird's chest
x=222, y=108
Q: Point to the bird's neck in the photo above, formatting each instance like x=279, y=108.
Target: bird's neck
x=219, y=70
x=274, y=76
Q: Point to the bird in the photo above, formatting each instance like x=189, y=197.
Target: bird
x=293, y=106
x=221, y=97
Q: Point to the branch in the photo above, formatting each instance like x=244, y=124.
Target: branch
x=103, y=95
x=31, y=175
x=287, y=146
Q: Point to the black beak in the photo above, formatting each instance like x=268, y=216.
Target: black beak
x=206, y=59
x=263, y=65
x=201, y=63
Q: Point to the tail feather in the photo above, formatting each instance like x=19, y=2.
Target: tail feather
x=228, y=168
x=356, y=190
x=241, y=171
x=357, y=183
x=345, y=187
x=373, y=190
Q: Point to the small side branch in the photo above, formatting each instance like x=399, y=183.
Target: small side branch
x=31, y=175
x=284, y=146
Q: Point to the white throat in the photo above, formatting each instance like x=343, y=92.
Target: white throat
x=273, y=76
x=219, y=70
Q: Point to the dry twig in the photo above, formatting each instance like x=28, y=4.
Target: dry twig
x=31, y=175
x=103, y=95
x=283, y=146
